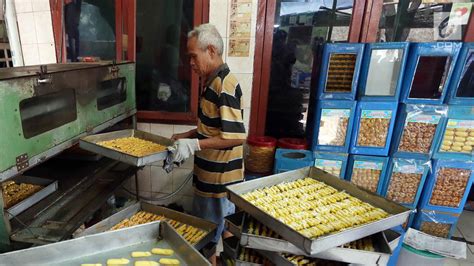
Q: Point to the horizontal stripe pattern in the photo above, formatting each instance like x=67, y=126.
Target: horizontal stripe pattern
x=220, y=114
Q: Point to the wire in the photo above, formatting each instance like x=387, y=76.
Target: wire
x=172, y=194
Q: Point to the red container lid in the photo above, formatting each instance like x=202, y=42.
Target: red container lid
x=262, y=141
x=292, y=143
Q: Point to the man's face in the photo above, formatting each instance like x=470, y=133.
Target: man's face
x=200, y=60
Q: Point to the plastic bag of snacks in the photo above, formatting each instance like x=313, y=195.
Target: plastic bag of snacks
x=441, y=224
x=368, y=172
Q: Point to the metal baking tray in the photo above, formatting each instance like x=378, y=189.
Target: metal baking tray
x=381, y=255
x=49, y=186
x=280, y=260
x=89, y=143
x=231, y=250
x=398, y=213
x=128, y=212
x=115, y=244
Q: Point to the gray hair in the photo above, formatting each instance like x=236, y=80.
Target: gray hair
x=206, y=35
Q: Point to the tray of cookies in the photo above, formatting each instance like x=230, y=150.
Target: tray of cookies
x=196, y=231
x=155, y=243
x=22, y=192
x=130, y=146
x=314, y=210
x=373, y=249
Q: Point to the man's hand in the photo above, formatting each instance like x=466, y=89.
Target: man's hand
x=185, y=148
x=184, y=135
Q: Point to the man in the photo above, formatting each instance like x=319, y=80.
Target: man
x=217, y=140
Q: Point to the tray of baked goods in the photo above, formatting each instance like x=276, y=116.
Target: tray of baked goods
x=238, y=255
x=373, y=249
x=21, y=192
x=286, y=259
x=148, y=244
x=314, y=210
x=130, y=146
x=198, y=232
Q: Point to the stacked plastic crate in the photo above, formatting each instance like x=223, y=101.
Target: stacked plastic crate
x=336, y=106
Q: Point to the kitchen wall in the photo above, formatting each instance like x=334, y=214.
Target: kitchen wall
x=35, y=29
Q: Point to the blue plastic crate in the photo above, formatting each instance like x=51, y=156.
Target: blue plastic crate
x=340, y=71
x=333, y=163
x=447, y=186
x=382, y=71
x=367, y=172
x=396, y=249
x=287, y=160
x=421, y=83
x=417, y=128
x=365, y=139
x=410, y=220
x=333, y=124
x=456, y=140
x=410, y=176
x=460, y=88
x=441, y=224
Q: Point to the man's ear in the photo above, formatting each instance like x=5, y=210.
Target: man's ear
x=212, y=50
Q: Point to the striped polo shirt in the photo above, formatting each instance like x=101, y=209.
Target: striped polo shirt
x=220, y=114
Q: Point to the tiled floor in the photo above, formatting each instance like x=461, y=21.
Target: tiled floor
x=465, y=229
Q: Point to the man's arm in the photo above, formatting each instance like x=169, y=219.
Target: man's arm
x=185, y=135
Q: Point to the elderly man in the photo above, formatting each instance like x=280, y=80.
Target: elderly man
x=217, y=140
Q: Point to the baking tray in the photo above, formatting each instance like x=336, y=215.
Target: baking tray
x=115, y=244
x=348, y=255
x=89, y=143
x=49, y=186
x=280, y=260
x=398, y=213
x=231, y=250
x=128, y=212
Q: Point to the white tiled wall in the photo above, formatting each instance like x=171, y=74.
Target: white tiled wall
x=36, y=31
x=156, y=183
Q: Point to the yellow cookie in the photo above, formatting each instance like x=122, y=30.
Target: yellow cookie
x=169, y=261
x=139, y=254
x=162, y=251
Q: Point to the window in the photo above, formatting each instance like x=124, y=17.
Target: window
x=165, y=85
x=423, y=20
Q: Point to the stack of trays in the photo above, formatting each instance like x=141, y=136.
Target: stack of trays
x=256, y=229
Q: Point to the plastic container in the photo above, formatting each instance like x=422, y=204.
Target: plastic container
x=373, y=128
x=260, y=154
x=440, y=224
x=367, y=172
x=412, y=256
x=448, y=185
x=456, y=140
x=287, y=160
x=333, y=163
x=405, y=180
x=428, y=72
x=410, y=220
x=462, y=82
x=382, y=71
x=340, y=71
x=292, y=143
x=417, y=129
x=333, y=123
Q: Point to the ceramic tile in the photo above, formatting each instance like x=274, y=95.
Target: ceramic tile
x=160, y=180
x=40, y=5
x=27, y=28
x=44, y=27
x=30, y=54
x=22, y=6
x=47, y=53
x=164, y=130
x=218, y=15
x=245, y=81
x=144, y=127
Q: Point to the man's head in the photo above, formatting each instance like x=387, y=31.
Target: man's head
x=205, y=48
